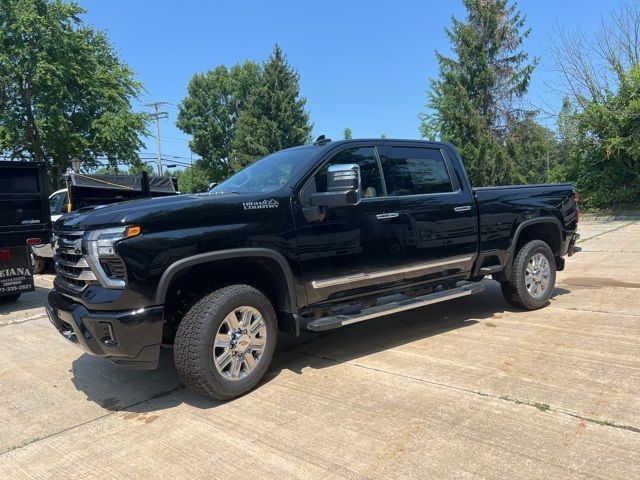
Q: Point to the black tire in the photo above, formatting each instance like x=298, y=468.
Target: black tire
x=38, y=264
x=194, y=342
x=10, y=298
x=515, y=289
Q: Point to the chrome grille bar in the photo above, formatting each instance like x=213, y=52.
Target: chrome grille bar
x=72, y=270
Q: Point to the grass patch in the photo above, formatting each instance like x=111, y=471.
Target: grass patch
x=543, y=407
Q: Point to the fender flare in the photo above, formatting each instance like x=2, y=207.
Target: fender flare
x=525, y=224
x=187, y=262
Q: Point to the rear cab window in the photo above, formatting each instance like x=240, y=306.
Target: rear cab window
x=415, y=171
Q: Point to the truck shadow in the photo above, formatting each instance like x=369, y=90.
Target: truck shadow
x=386, y=333
x=132, y=391
x=27, y=301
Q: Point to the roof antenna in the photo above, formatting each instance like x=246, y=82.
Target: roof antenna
x=322, y=140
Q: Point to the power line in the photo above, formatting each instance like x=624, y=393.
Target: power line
x=165, y=158
x=171, y=139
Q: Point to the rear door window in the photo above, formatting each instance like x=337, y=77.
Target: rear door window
x=415, y=171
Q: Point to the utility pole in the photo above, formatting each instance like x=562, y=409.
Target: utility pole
x=158, y=115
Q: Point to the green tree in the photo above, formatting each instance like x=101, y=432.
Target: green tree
x=532, y=148
x=604, y=160
x=598, y=123
x=134, y=169
x=568, y=138
x=472, y=102
x=274, y=117
x=194, y=179
x=347, y=134
x=63, y=90
x=210, y=111
x=138, y=168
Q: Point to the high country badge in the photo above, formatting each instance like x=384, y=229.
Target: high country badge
x=264, y=204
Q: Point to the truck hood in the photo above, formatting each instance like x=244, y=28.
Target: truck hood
x=161, y=213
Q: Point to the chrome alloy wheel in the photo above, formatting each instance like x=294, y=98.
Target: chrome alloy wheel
x=239, y=343
x=537, y=275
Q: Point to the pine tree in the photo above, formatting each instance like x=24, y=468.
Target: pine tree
x=274, y=117
x=472, y=102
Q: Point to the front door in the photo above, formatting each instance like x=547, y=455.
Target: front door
x=435, y=208
x=353, y=249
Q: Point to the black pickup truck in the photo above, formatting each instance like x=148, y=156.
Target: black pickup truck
x=314, y=237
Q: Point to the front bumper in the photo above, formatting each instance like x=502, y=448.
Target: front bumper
x=129, y=338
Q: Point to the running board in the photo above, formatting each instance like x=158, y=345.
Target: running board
x=337, y=321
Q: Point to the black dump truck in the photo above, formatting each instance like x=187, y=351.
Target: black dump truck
x=24, y=222
x=315, y=237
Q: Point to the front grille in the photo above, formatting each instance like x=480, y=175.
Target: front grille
x=72, y=270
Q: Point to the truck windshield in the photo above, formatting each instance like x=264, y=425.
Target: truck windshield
x=265, y=175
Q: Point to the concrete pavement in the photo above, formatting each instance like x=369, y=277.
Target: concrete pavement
x=462, y=389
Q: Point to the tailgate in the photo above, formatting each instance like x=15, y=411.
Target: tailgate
x=24, y=203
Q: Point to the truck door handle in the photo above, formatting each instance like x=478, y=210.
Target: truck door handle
x=387, y=216
x=464, y=208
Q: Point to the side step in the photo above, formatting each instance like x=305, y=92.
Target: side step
x=337, y=321
x=491, y=269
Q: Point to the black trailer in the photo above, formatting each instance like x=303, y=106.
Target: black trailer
x=90, y=190
x=24, y=222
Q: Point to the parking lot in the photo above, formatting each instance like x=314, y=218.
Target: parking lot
x=467, y=388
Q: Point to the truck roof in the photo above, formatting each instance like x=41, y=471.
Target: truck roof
x=325, y=143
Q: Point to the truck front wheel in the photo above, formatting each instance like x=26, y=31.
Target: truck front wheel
x=533, y=276
x=225, y=342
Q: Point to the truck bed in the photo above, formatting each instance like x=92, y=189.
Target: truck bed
x=501, y=209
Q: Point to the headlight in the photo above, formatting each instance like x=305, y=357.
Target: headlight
x=100, y=244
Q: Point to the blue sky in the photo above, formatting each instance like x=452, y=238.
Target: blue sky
x=363, y=65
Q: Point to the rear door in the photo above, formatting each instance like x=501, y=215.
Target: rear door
x=435, y=207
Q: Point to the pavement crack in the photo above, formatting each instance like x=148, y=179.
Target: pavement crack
x=30, y=319
x=587, y=310
x=543, y=407
x=582, y=240
x=13, y=448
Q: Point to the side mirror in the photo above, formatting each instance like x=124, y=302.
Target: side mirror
x=343, y=187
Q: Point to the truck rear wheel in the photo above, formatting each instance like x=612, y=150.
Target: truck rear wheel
x=225, y=342
x=533, y=276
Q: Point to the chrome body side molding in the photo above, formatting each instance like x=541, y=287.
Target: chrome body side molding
x=413, y=270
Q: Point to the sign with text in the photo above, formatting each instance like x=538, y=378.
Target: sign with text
x=16, y=275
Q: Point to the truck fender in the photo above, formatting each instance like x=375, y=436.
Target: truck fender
x=512, y=247
x=187, y=262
